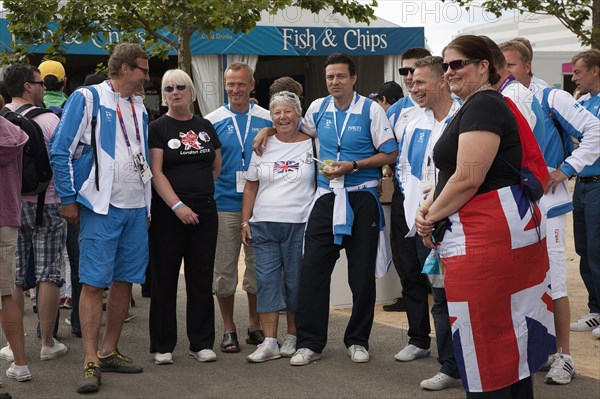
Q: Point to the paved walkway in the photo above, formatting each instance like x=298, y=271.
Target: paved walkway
x=334, y=376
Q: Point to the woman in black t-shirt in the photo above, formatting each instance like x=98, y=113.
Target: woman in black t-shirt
x=492, y=256
x=185, y=158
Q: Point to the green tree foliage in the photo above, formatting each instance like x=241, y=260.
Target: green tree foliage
x=573, y=14
x=86, y=20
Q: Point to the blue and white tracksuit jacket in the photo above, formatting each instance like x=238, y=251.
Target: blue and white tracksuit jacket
x=415, y=160
x=71, y=155
x=560, y=106
x=592, y=104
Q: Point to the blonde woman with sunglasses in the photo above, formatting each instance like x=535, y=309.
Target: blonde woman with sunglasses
x=185, y=154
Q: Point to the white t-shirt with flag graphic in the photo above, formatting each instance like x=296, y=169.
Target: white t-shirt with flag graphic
x=286, y=176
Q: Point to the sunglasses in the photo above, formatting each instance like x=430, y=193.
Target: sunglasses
x=169, y=89
x=41, y=82
x=146, y=71
x=405, y=71
x=286, y=94
x=457, y=65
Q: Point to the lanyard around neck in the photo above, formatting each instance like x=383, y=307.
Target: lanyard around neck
x=338, y=133
x=508, y=79
x=237, y=131
x=122, y=122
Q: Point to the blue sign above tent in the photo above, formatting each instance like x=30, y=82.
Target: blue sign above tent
x=309, y=41
x=268, y=40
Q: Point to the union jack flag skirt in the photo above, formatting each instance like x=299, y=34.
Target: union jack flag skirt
x=498, y=288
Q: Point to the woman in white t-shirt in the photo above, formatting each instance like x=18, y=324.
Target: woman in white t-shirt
x=275, y=207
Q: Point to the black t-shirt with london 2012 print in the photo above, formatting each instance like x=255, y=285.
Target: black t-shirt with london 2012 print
x=189, y=152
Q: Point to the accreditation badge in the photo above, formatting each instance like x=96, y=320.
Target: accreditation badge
x=240, y=181
x=142, y=167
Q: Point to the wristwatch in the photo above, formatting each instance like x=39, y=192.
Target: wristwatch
x=354, y=167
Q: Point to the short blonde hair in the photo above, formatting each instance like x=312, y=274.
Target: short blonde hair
x=521, y=46
x=286, y=98
x=174, y=77
x=236, y=66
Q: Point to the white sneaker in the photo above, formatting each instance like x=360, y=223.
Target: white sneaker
x=358, y=354
x=304, y=356
x=288, y=348
x=6, y=353
x=19, y=373
x=587, y=323
x=440, y=381
x=596, y=332
x=163, y=358
x=204, y=356
x=411, y=352
x=52, y=352
x=562, y=370
x=551, y=359
x=263, y=353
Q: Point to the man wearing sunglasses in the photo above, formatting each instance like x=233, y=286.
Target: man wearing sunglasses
x=43, y=237
x=409, y=253
x=401, y=112
x=102, y=175
x=431, y=92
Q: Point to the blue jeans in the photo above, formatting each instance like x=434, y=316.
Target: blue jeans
x=443, y=333
x=586, y=230
x=277, y=251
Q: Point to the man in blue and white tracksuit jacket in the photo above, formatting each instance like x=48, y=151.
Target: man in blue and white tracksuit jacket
x=354, y=132
x=406, y=250
x=106, y=182
x=586, y=197
x=417, y=174
x=563, y=118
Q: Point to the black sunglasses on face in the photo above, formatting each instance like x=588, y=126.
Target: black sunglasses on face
x=145, y=70
x=169, y=89
x=41, y=82
x=405, y=71
x=457, y=65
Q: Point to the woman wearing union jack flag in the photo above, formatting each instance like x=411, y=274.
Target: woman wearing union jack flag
x=493, y=245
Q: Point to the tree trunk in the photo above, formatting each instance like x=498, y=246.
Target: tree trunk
x=184, y=60
x=184, y=56
x=596, y=24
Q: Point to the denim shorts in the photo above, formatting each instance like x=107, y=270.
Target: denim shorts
x=113, y=247
x=277, y=259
